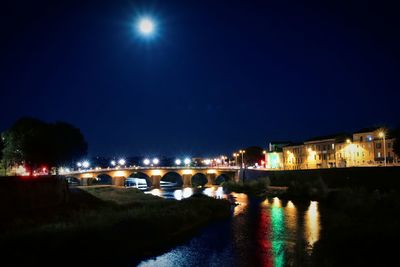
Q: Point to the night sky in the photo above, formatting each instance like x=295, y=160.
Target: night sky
x=216, y=77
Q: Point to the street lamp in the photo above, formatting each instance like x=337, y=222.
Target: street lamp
x=242, y=152
x=121, y=162
x=186, y=161
x=146, y=162
x=235, y=155
x=178, y=162
x=156, y=161
x=382, y=135
x=85, y=164
x=113, y=163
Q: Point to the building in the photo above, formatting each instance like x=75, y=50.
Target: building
x=274, y=156
x=321, y=151
x=357, y=150
x=366, y=147
x=295, y=156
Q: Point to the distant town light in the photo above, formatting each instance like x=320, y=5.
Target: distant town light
x=146, y=161
x=187, y=161
x=207, y=161
x=113, y=163
x=156, y=161
x=178, y=162
x=79, y=164
x=121, y=162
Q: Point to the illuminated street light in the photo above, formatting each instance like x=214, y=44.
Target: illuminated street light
x=146, y=162
x=178, y=162
x=85, y=164
x=121, y=162
x=235, y=155
x=156, y=161
x=187, y=161
x=382, y=135
x=207, y=161
x=242, y=152
x=348, y=140
x=79, y=164
x=113, y=163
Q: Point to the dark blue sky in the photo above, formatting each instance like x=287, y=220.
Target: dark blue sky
x=217, y=77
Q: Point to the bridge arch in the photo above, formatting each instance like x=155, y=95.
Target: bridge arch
x=71, y=180
x=139, y=179
x=102, y=179
x=199, y=179
x=222, y=178
x=171, y=179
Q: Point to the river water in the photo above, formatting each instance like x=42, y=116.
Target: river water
x=271, y=232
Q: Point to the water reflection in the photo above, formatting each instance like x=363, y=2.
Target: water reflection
x=185, y=193
x=216, y=192
x=154, y=192
x=268, y=233
x=312, y=224
x=242, y=201
x=278, y=232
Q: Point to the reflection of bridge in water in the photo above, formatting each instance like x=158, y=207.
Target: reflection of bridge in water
x=154, y=177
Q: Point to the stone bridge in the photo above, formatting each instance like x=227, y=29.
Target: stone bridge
x=153, y=176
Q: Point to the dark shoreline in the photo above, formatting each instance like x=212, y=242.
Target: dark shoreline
x=114, y=234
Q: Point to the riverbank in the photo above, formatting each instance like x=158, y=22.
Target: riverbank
x=361, y=228
x=105, y=226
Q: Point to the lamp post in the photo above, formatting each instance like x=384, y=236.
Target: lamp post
x=382, y=135
x=235, y=155
x=242, y=152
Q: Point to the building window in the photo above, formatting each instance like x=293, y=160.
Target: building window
x=378, y=145
x=361, y=138
x=379, y=154
x=389, y=145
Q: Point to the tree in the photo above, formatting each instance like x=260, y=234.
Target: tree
x=253, y=155
x=1, y=146
x=37, y=143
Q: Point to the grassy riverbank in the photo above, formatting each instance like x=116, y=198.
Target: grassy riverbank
x=105, y=226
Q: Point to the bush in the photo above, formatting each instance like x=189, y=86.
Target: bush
x=253, y=187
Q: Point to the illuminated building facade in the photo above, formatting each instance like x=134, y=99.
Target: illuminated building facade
x=295, y=156
x=321, y=151
x=274, y=156
x=367, y=147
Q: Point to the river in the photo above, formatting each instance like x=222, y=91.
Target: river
x=271, y=232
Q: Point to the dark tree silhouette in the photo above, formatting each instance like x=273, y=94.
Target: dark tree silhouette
x=254, y=154
x=1, y=147
x=36, y=143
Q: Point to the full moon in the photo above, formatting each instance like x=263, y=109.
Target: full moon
x=146, y=26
